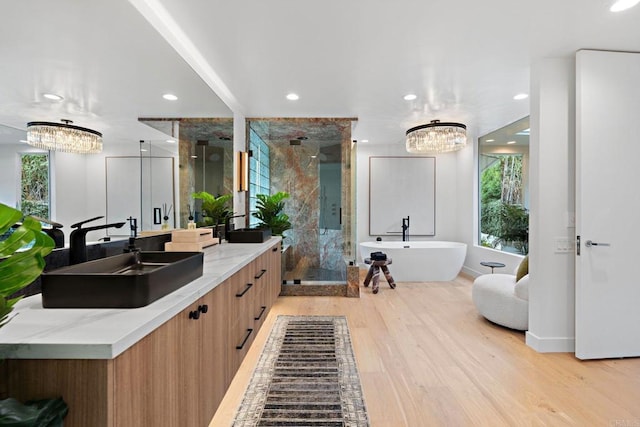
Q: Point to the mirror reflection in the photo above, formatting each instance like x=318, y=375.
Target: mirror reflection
x=205, y=158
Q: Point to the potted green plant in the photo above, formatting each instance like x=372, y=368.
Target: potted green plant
x=18, y=266
x=21, y=262
x=270, y=213
x=215, y=210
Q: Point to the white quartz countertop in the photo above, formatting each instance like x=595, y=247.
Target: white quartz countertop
x=35, y=332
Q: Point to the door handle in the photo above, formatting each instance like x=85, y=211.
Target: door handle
x=589, y=243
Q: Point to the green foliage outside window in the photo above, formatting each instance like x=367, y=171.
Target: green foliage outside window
x=34, y=197
x=504, y=221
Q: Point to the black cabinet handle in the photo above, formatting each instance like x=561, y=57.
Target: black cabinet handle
x=262, y=310
x=259, y=275
x=203, y=308
x=244, y=341
x=241, y=294
x=275, y=248
x=195, y=315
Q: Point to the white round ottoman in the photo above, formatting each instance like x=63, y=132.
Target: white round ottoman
x=499, y=299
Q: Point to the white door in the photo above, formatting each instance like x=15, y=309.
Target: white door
x=607, y=204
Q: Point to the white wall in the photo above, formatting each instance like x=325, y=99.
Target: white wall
x=446, y=194
x=239, y=144
x=552, y=290
x=456, y=203
x=79, y=186
x=467, y=218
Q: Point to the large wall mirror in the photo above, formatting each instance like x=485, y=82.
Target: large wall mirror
x=205, y=159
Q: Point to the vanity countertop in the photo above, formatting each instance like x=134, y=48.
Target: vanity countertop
x=56, y=333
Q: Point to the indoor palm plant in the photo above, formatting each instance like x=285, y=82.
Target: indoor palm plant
x=270, y=213
x=215, y=210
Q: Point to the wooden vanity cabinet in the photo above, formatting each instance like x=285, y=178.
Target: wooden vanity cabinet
x=175, y=376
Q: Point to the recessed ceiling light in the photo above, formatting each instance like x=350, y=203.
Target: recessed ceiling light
x=490, y=140
x=170, y=97
x=143, y=149
x=523, y=95
x=621, y=5
x=171, y=141
x=511, y=142
x=52, y=96
x=293, y=97
x=364, y=140
x=410, y=97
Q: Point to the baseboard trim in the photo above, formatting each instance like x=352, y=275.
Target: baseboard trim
x=471, y=272
x=551, y=344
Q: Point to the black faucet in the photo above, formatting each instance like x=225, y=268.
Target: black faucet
x=227, y=224
x=405, y=229
x=133, y=226
x=78, y=239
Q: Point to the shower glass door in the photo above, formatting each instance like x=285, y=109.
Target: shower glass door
x=309, y=168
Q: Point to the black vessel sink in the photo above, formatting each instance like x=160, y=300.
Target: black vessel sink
x=128, y=280
x=249, y=235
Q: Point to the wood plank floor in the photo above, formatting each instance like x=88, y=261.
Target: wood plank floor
x=426, y=358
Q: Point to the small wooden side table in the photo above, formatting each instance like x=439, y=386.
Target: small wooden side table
x=373, y=275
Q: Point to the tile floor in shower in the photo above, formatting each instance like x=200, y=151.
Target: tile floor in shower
x=316, y=275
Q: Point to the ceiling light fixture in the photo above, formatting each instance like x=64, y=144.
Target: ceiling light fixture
x=490, y=140
x=170, y=97
x=511, y=142
x=171, y=141
x=436, y=137
x=293, y=97
x=520, y=96
x=64, y=137
x=410, y=97
x=621, y=5
x=365, y=140
x=52, y=96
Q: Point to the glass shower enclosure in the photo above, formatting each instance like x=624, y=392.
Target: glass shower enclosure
x=306, y=159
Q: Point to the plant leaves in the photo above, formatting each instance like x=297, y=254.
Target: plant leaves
x=270, y=213
x=8, y=217
x=216, y=208
x=20, y=266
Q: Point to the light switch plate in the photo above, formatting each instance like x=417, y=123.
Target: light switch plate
x=563, y=245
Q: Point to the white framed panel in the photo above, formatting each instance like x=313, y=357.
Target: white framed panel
x=401, y=187
x=123, y=191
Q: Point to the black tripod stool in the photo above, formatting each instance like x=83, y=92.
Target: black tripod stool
x=374, y=274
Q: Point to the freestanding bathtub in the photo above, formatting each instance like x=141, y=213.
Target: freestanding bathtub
x=422, y=261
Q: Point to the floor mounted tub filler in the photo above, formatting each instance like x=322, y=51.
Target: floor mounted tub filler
x=420, y=261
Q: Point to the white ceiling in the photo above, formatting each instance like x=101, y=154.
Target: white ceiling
x=465, y=59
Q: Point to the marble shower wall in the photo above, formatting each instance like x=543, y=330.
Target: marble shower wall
x=294, y=170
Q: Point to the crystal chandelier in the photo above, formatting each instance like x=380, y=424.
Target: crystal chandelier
x=64, y=137
x=436, y=137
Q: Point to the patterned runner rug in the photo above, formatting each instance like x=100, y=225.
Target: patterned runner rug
x=306, y=376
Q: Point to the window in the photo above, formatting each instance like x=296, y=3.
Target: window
x=34, y=184
x=504, y=190
x=259, y=172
